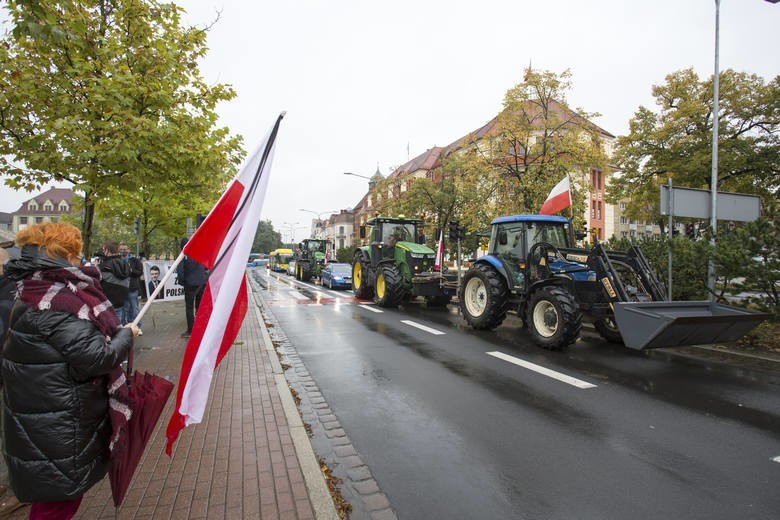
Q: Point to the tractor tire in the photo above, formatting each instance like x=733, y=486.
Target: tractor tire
x=297, y=271
x=608, y=330
x=484, y=297
x=388, y=286
x=438, y=301
x=554, y=319
x=361, y=279
x=305, y=272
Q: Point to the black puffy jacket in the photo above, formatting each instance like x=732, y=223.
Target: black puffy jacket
x=56, y=425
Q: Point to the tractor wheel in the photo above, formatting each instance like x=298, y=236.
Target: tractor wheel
x=483, y=297
x=438, y=301
x=305, y=272
x=608, y=330
x=389, y=286
x=554, y=318
x=361, y=279
x=297, y=271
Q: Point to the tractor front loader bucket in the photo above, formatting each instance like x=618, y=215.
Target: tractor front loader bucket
x=645, y=325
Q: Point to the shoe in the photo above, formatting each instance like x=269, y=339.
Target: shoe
x=185, y=334
x=140, y=332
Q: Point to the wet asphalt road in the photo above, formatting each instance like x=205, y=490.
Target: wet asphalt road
x=452, y=431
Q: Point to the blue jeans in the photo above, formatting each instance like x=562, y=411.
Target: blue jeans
x=130, y=308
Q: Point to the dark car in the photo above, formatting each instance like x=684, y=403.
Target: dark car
x=335, y=275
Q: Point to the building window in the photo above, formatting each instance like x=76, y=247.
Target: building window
x=32, y=205
x=622, y=205
x=64, y=206
x=48, y=207
x=22, y=220
x=623, y=220
x=39, y=220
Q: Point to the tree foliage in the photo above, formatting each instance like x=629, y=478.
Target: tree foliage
x=537, y=140
x=107, y=95
x=676, y=141
x=266, y=238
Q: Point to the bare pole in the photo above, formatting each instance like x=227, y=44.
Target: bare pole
x=714, y=180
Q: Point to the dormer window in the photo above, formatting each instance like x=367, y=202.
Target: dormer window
x=63, y=206
x=48, y=206
x=32, y=205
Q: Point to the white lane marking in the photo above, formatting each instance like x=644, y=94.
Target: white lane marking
x=370, y=308
x=541, y=370
x=423, y=327
x=776, y=459
x=297, y=295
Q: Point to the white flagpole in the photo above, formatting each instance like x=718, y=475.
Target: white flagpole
x=157, y=289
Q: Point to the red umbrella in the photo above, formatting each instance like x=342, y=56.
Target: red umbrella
x=136, y=402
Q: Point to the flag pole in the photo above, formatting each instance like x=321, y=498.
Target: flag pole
x=157, y=289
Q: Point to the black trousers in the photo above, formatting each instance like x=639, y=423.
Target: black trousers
x=192, y=296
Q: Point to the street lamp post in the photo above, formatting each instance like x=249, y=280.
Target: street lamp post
x=358, y=175
x=319, y=215
x=714, y=179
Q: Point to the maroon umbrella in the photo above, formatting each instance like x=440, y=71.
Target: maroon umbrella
x=136, y=402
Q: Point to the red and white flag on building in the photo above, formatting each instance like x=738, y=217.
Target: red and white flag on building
x=439, y=252
x=558, y=199
x=222, y=244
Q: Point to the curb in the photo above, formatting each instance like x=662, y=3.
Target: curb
x=320, y=497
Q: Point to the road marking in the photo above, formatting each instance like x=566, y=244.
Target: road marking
x=298, y=296
x=370, y=308
x=423, y=327
x=776, y=459
x=541, y=370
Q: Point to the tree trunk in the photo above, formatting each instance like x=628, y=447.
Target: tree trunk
x=86, y=225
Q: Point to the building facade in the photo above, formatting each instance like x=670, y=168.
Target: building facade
x=49, y=206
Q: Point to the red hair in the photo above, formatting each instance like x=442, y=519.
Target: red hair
x=59, y=239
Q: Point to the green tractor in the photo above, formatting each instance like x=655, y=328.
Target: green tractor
x=397, y=265
x=309, y=258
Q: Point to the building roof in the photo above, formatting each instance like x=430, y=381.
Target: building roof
x=55, y=195
x=428, y=160
x=6, y=218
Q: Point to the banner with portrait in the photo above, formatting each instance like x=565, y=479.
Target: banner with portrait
x=154, y=272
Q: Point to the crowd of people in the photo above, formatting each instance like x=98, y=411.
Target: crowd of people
x=65, y=324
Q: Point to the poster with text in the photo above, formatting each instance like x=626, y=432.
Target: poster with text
x=154, y=272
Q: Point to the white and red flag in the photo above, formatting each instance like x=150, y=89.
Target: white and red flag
x=439, y=252
x=558, y=199
x=222, y=244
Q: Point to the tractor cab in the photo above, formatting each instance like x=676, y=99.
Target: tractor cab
x=385, y=233
x=529, y=246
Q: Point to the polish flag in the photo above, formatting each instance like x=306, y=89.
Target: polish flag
x=439, y=252
x=222, y=244
x=558, y=199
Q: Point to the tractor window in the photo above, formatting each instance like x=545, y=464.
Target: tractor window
x=514, y=240
x=555, y=234
x=392, y=233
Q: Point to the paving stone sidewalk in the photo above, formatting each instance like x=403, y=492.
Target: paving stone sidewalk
x=239, y=462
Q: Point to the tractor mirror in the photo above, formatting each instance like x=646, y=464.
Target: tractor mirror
x=362, y=231
x=502, y=238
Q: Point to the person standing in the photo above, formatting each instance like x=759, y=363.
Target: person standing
x=114, y=277
x=63, y=340
x=193, y=277
x=130, y=309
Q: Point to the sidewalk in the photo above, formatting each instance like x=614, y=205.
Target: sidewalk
x=248, y=458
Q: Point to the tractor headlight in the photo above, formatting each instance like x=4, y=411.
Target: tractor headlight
x=417, y=255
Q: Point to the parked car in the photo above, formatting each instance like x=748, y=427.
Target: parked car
x=291, y=267
x=335, y=276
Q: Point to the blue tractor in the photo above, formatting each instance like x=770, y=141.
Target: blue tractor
x=533, y=268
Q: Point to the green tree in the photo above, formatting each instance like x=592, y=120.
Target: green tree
x=535, y=141
x=676, y=141
x=107, y=95
x=266, y=238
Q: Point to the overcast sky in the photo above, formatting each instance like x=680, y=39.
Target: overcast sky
x=363, y=81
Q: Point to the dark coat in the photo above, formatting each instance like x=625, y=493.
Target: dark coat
x=136, y=271
x=56, y=426
x=115, y=279
x=191, y=274
x=7, y=295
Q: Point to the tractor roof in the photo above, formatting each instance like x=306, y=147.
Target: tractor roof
x=392, y=220
x=530, y=218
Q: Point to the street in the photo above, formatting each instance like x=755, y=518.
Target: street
x=457, y=423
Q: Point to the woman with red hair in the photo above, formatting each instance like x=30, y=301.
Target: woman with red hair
x=64, y=338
